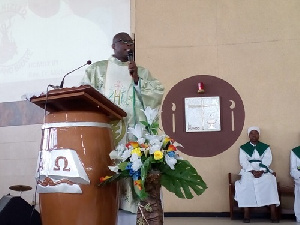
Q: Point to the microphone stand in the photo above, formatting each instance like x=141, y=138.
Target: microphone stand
x=63, y=80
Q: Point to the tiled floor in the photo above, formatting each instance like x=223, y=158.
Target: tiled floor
x=219, y=221
x=126, y=218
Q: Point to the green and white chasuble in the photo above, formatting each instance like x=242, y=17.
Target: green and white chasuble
x=111, y=78
x=116, y=89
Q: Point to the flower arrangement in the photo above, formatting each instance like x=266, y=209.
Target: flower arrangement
x=150, y=151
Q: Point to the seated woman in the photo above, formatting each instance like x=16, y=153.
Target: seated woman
x=257, y=186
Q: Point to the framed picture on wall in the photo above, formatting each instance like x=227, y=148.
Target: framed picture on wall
x=202, y=114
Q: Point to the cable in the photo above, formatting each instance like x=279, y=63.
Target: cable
x=40, y=156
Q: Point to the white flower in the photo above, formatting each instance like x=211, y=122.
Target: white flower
x=137, y=131
x=125, y=155
x=171, y=161
x=176, y=144
x=117, y=153
x=154, y=148
x=114, y=168
x=155, y=142
x=153, y=139
x=114, y=155
x=150, y=114
x=141, y=141
x=136, y=162
x=120, y=148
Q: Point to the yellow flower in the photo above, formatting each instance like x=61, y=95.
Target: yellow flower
x=166, y=140
x=158, y=155
x=137, y=151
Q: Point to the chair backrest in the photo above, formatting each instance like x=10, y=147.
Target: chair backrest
x=232, y=177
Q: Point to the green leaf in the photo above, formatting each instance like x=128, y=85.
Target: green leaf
x=146, y=124
x=181, y=180
x=145, y=169
x=123, y=165
x=154, y=125
x=154, y=131
x=177, y=189
x=153, y=128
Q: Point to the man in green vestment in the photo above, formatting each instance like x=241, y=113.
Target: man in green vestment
x=129, y=86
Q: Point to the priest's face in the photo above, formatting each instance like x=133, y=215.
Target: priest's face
x=122, y=43
x=254, y=136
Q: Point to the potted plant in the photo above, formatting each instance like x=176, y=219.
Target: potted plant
x=152, y=161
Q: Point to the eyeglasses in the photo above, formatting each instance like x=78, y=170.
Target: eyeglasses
x=129, y=42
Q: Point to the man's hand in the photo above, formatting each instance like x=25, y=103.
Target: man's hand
x=133, y=71
x=257, y=174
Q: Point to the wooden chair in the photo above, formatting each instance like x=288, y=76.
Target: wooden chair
x=283, y=192
x=233, y=206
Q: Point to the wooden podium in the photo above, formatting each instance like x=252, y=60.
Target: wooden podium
x=78, y=120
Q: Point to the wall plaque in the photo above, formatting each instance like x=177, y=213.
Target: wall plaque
x=202, y=114
x=214, y=137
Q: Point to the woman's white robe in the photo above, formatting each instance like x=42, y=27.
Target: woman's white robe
x=256, y=192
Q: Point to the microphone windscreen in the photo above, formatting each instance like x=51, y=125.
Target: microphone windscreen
x=130, y=54
x=89, y=62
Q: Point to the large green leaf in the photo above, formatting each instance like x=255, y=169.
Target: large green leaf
x=181, y=180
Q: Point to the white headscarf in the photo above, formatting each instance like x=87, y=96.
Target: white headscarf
x=253, y=128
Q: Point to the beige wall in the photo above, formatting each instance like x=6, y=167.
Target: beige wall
x=253, y=45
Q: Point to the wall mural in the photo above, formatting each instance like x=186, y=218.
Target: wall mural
x=42, y=40
x=203, y=113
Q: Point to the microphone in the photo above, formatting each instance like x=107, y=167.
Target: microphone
x=63, y=80
x=130, y=58
x=130, y=55
x=53, y=86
